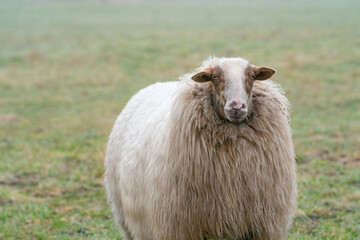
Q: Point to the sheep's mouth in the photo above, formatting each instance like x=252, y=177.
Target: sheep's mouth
x=236, y=116
x=236, y=119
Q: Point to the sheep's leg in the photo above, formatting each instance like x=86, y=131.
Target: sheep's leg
x=121, y=221
x=127, y=235
x=262, y=238
x=119, y=216
x=268, y=237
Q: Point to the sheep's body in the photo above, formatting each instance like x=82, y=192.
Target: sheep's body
x=175, y=170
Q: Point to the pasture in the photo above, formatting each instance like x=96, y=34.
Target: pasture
x=67, y=68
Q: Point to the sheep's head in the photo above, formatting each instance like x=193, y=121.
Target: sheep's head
x=232, y=80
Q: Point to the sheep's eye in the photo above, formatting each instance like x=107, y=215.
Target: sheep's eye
x=252, y=76
x=215, y=76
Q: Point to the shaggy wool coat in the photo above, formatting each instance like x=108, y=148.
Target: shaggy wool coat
x=176, y=170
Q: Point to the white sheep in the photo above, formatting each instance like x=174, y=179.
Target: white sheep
x=206, y=157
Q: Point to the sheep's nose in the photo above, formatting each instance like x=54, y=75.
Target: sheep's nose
x=236, y=109
x=237, y=106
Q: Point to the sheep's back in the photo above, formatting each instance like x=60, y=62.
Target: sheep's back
x=136, y=136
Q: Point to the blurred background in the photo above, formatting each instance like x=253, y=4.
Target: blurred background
x=67, y=68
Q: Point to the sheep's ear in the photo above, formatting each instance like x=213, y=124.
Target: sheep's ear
x=263, y=73
x=203, y=76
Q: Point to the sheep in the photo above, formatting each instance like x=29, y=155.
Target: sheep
x=206, y=157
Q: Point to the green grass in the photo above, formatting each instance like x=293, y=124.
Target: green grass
x=68, y=68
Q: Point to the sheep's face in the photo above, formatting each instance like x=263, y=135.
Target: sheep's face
x=232, y=80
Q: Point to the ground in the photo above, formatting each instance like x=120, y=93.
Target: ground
x=67, y=68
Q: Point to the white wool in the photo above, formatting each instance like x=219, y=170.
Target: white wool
x=147, y=189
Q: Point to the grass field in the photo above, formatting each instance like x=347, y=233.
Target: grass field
x=68, y=68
